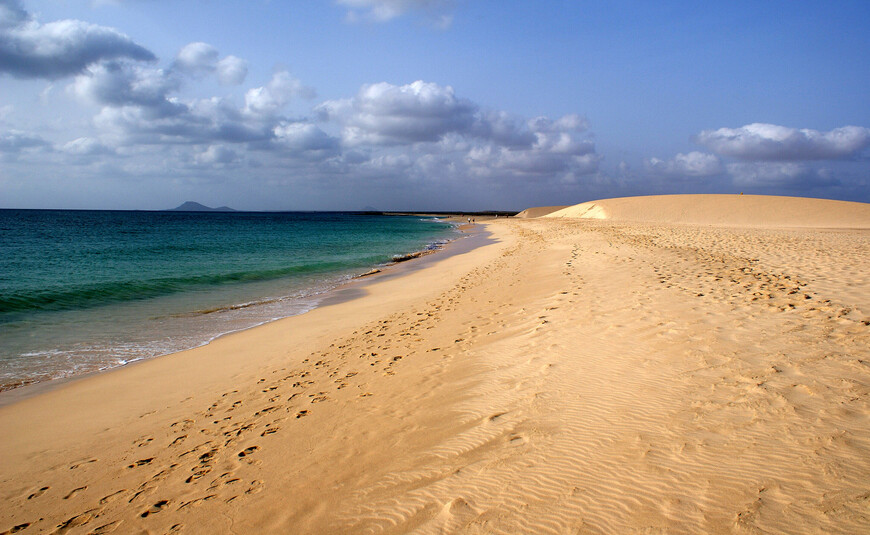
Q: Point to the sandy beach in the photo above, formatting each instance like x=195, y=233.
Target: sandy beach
x=675, y=364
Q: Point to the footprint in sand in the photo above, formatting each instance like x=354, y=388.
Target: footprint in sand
x=16, y=529
x=73, y=492
x=106, y=528
x=78, y=520
x=224, y=479
x=141, y=462
x=200, y=472
x=156, y=508
x=195, y=502
x=144, y=441
x=110, y=497
x=38, y=493
x=248, y=451
x=184, y=424
x=206, y=457
x=82, y=463
x=255, y=487
x=517, y=440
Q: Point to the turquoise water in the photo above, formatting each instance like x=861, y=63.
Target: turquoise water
x=88, y=290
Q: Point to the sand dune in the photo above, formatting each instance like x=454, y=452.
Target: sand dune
x=538, y=211
x=728, y=210
x=576, y=376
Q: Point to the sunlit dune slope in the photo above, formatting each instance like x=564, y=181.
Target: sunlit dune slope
x=721, y=210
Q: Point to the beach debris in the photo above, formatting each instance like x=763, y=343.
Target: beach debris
x=411, y=256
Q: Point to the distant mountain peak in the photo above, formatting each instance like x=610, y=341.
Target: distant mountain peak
x=191, y=206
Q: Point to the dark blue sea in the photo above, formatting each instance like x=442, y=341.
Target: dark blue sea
x=82, y=291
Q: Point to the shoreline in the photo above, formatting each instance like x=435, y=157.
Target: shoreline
x=91, y=423
x=338, y=294
x=569, y=376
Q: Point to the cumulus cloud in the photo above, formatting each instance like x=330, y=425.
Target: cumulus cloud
x=386, y=114
x=308, y=138
x=567, y=123
x=187, y=123
x=693, y=164
x=57, y=49
x=231, y=70
x=768, y=142
x=118, y=84
x=139, y=106
x=197, y=58
x=216, y=155
x=384, y=10
x=791, y=175
x=502, y=128
x=563, y=143
x=390, y=115
x=268, y=99
x=201, y=59
x=414, y=133
x=15, y=141
x=492, y=161
x=86, y=146
x=435, y=121
x=414, y=136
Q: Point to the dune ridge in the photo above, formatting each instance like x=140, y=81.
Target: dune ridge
x=538, y=211
x=727, y=210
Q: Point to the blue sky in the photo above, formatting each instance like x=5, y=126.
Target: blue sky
x=428, y=104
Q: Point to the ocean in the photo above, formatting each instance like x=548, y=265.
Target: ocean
x=82, y=291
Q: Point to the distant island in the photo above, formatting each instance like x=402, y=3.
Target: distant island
x=191, y=206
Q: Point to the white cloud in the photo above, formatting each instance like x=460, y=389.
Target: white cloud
x=216, y=155
x=15, y=141
x=567, y=123
x=492, y=161
x=196, y=122
x=118, y=84
x=86, y=146
x=502, y=128
x=768, y=142
x=392, y=135
x=269, y=99
x=53, y=50
x=438, y=11
x=693, y=164
x=232, y=70
x=447, y=134
x=306, y=138
x=563, y=143
x=197, y=58
x=200, y=59
x=386, y=114
x=138, y=105
x=791, y=175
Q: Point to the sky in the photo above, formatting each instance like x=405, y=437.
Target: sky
x=428, y=104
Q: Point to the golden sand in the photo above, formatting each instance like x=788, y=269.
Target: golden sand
x=576, y=376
